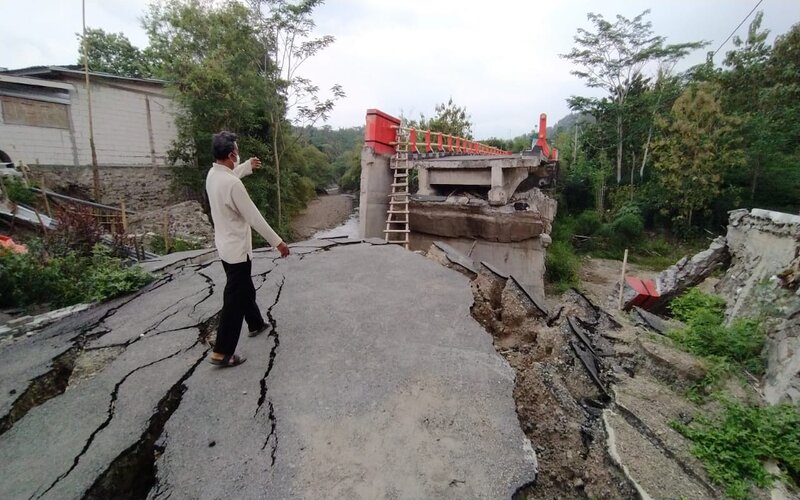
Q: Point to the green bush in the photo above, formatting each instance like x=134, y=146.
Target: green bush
x=695, y=303
x=739, y=344
x=17, y=191
x=176, y=245
x=628, y=227
x=735, y=445
x=564, y=229
x=562, y=265
x=35, y=278
x=588, y=223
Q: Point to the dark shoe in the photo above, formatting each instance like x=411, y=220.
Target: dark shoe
x=228, y=361
x=253, y=333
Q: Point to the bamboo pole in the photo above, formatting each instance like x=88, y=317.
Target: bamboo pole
x=24, y=169
x=622, y=279
x=95, y=173
x=46, y=201
x=124, y=217
x=166, y=233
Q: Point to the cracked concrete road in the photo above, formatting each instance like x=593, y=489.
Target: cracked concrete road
x=373, y=382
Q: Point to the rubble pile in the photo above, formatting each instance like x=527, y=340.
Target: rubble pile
x=186, y=221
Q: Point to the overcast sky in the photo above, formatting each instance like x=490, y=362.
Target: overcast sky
x=499, y=59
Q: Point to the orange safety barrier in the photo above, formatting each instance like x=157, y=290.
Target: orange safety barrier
x=384, y=133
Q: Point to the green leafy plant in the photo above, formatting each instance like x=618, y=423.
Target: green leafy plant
x=562, y=265
x=38, y=278
x=108, y=278
x=588, y=223
x=735, y=445
x=17, y=191
x=176, y=245
x=695, y=303
x=740, y=344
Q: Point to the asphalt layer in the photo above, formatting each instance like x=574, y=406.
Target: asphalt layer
x=373, y=381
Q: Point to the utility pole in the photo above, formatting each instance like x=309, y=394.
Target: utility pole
x=95, y=173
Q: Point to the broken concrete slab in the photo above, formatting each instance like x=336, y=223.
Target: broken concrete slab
x=689, y=272
x=312, y=244
x=25, y=324
x=764, y=247
x=654, y=322
x=456, y=257
x=651, y=408
x=177, y=259
x=376, y=241
x=655, y=475
x=536, y=298
x=495, y=270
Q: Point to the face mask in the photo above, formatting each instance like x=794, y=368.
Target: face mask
x=236, y=161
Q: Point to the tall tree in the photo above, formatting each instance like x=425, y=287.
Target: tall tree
x=285, y=29
x=743, y=96
x=698, y=147
x=613, y=57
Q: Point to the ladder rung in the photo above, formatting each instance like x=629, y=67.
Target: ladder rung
x=399, y=194
x=396, y=231
x=400, y=175
x=397, y=212
x=399, y=184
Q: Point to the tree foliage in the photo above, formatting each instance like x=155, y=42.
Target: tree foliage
x=449, y=118
x=113, y=53
x=233, y=66
x=687, y=147
x=613, y=57
x=698, y=147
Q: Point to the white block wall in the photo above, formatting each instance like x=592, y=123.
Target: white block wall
x=120, y=129
x=51, y=146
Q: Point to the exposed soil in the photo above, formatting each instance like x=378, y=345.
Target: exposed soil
x=599, y=277
x=325, y=212
x=595, y=394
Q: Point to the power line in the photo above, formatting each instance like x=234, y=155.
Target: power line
x=740, y=25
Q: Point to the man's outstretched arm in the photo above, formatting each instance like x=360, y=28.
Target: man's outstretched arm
x=253, y=216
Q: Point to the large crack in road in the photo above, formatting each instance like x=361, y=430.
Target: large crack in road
x=272, y=436
x=132, y=474
x=55, y=381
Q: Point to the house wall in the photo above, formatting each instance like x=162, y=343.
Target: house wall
x=124, y=133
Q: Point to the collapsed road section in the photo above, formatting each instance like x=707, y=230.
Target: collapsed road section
x=373, y=381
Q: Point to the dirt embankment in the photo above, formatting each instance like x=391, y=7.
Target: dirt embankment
x=595, y=393
x=325, y=212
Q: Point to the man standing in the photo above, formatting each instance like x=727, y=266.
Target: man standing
x=234, y=213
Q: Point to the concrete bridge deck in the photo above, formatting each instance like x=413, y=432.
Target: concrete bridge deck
x=374, y=382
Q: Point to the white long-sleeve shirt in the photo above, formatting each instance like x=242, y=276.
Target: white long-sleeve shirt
x=234, y=213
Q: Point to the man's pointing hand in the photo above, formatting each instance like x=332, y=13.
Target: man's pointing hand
x=283, y=248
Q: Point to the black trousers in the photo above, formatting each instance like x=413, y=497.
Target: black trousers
x=238, y=302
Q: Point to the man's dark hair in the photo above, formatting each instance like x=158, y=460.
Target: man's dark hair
x=222, y=144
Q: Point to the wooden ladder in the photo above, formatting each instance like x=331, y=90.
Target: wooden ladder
x=397, y=216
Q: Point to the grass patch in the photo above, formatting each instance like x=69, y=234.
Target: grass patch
x=734, y=445
x=562, y=266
